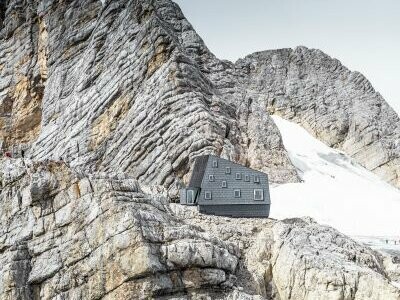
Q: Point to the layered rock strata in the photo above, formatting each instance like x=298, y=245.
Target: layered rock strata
x=130, y=86
x=337, y=106
x=70, y=235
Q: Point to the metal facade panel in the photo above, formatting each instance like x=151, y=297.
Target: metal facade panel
x=225, y=196
x=198, y=171
x=236, y=210
x=182, y=197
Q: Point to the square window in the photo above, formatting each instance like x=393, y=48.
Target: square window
x=256, y=179
x=215, y=164
x=258, y=194
x=224, y=184
x=237, y=193
x=238, y=176
x=228, y=170
x=207, y=195
x=246, y=177
x=211, y=177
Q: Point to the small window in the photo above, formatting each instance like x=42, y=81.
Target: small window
x=224, y=184
x=207, y=195
x=238, y=176
x=228, y=170
x=215, y=164
x=236, y=193
x=211, y=177
x=256, y=179
x=246, y=177
x=190, y=196
x=258, y=194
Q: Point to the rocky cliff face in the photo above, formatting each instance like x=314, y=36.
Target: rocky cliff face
x=337, y=106
x=112, y=101
x=128, y=86
x=70, y=235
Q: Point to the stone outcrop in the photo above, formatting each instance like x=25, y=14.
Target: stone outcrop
x=67, y=235
x=112, y=102
x=129, y=85
x=339, y=107
x=300, y=259
x=22, y=80
x=71, y=235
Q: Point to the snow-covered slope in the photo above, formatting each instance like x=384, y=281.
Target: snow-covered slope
x=336, y=190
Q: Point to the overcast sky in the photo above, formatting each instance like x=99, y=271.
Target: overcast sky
x=363, y=34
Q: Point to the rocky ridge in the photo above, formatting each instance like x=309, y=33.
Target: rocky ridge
x=70, y=235
x=299, y=259
x=339, y=107
x=112, y=101
x=130, y=86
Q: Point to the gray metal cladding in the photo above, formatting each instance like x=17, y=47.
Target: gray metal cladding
x=182, y=197
x=198, y=171
x=225, y=195
x=228, y=189
x=236, y=210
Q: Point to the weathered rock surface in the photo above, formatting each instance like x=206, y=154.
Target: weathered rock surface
x=121, y=96
x=337, y=106
x=300, y=259
x=69, y=235
x=129, y=86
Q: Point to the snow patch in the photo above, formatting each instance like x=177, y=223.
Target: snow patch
x=335, y=190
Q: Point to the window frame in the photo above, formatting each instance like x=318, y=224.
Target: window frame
x=247, y=177
x=262, y=194
x=238, y=176
x=256, y=179
x=228, y=170
x=193, y=196
x=211, y=178
x=234, y=193
x=207, y=193
x=215, y=164
x=224, y=184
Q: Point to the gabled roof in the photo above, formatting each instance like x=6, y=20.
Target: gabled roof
x=200, y=167
x=198, y=171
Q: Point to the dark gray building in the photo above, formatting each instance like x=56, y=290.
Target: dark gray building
x=221, y=187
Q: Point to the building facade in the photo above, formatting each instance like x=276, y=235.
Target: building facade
x=221, y=187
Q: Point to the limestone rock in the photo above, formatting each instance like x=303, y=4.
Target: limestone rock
x=95, y=237
x=127, y=86
x=299, y=259
x=76, y=235
x=310, y=261
x=391, y=262
x=112, y=101
x=339, y=107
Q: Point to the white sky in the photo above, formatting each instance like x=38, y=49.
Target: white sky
x=363, y=34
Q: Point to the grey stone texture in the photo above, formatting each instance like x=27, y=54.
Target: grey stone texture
x=130, y=86
x=99, y=236
x=337, y=106
x=300, y=259
x=113, y=101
